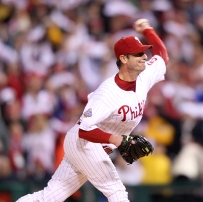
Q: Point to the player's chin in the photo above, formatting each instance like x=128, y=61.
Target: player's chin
x=142, y=67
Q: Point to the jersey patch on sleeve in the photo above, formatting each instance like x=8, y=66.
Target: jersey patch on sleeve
x=88, y=113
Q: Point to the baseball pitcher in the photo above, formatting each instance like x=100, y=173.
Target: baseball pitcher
x=113, y=110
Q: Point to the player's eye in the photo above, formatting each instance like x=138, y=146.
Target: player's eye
x=138, y=54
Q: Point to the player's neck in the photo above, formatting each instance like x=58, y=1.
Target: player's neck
x=126, y=76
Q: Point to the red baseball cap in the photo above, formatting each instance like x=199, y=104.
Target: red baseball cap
x=129, y=45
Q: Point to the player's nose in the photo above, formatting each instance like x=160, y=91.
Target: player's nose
x=144, y=56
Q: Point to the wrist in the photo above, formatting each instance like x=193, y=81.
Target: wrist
x=148, y=31
x=115, y=139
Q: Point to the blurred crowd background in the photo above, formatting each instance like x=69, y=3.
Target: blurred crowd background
x=54, y=52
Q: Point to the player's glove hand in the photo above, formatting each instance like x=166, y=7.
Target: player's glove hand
x=131, y=152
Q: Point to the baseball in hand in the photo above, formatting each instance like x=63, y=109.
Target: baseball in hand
x=140, y=21
x=141, y=24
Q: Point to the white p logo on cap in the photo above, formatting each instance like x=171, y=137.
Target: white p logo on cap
x=137, y=40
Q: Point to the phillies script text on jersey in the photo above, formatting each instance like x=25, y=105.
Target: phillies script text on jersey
x=125, y=110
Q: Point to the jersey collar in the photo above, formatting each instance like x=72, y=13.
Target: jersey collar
x=125, y=85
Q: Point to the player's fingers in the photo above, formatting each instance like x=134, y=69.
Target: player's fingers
x=142, y=20
x=141, y=24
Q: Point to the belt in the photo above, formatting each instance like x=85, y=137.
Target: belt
x=107, y=149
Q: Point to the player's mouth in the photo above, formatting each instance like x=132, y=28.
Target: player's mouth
x=142, y=64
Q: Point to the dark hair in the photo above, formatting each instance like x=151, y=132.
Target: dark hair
x=197, y=132
x=119, y=63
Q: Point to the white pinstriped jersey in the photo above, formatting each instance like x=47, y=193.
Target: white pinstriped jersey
x=117, y=111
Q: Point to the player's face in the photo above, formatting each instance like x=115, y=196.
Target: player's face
x=136, y=62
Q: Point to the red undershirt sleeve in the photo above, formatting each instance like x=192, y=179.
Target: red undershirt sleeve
x=158, y=46
x=96, y=135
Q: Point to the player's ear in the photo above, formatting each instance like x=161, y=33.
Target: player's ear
x=123, y=58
